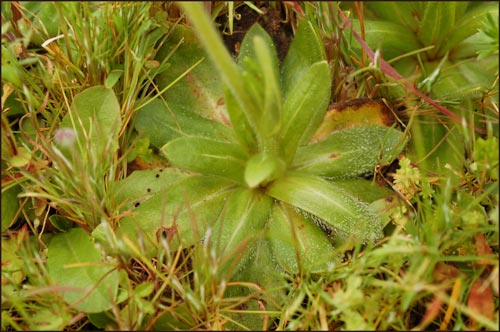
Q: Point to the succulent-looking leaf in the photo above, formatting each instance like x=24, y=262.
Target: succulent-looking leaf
x=161, y=124
x=305, y=107
x=350, y=152
x=350, y=218
x=240, y=224
x=95, y=116
x=182, y=211
x=263, y=168
x=75, y=263
x=305, y=50
x=207, y=156
x=294, y=236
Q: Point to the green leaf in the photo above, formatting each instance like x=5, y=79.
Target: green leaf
x=162, y=124
x=263, y=168
x=466, y=39
x=144, y=289
x=95, y=116
x=10, y=205
x=182, y=211
x=260, y=270
x=305, y=107
x=295, y=240
x=207, y=157
x=366, y=190
x=113, y=77
x=200, y=91
x=305, y=50
x=75, y=264
x=349, y=217
x=60, y=222
x=437, y=24
x=242, y=128
x=260, y=64
x=402, y=13
x=240, y=224
x=350, y=152
x=141, y=185
x=390, y=38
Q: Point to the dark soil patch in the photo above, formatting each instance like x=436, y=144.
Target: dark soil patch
x=272, y=20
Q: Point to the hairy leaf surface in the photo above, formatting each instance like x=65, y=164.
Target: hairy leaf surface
x=350, y=218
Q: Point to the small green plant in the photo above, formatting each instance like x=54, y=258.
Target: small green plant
x=260, y=177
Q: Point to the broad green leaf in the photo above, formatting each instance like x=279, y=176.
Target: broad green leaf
x=402, y=13
x=263, y=168
x=305, y=50
x=435, y=145
x=95, y=116
x=437, y=24
x=200, y=90
x=182, y=211
x=390, y=38
x=462, y=41
x=10, y=205
x=161, y=124
x=349, y=217
x=366, y=190
x=207, y=157
x=76, y=265
x=141, y=185
x=350, y=152
x=297, y=243
x=470, y=78
x=240, y=224
x=305, y=107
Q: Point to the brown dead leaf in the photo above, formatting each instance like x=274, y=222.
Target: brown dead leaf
x=354, y=113
x=443, y=271
x=433, y=310
x=481, y=301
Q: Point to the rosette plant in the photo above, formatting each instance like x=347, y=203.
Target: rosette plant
x=254, y=170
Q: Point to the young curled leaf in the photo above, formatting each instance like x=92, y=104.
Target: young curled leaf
x=263, y=168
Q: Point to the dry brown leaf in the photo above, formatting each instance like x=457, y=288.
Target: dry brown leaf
x=481, y=300
x=443, y=271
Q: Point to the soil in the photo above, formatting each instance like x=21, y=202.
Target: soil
x=272, y=20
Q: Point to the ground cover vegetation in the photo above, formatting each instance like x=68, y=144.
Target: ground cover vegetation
x=249, y=165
